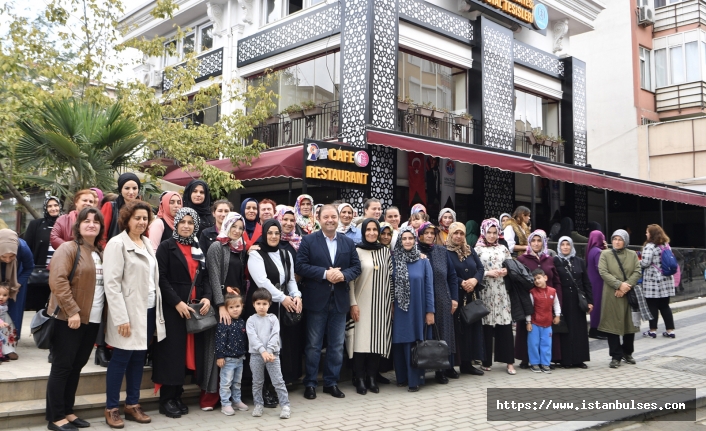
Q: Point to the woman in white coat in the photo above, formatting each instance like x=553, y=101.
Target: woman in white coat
x=134, y=307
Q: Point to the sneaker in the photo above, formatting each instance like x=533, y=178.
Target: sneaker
x=241, y=406
x=668, y=334
x=207, y=409
x=257, y=411
x=535, y=369
x=545, y=369
x=227, y=410
x=285, y=413
x=629, y=359
x=615, y=363
x=650, y=334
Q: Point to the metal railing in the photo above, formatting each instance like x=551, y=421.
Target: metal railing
x=210, y=64
x=284, y=130
x=446, y=126
x=523, y=144
x=680, y=14
x=681, y=96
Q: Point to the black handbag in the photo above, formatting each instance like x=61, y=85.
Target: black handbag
x=40, y=276
x=561, y=327
x=473, y=311
x=286, y=317
x=199, y=323
x=430, y=354
x=632, y=296
x=42, y=325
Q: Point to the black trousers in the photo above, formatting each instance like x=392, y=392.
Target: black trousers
x=366, y=364
x=71, y=349
x=660, y=305
x=170, y=392
x=504, y=344
x=617, y=350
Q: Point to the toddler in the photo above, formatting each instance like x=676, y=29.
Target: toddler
x=231, y=347
x=8, y=333
x=263, y=336
x=539, y=324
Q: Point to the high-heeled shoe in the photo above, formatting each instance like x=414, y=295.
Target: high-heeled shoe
x=101, y=357
x=372, y=385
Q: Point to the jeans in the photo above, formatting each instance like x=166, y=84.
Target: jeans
x=231, y=374
x=128, y=363
x=539, y=345
x=332, y=323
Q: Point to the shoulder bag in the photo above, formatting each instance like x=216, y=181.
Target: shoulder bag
x=473, y=311
x=39, y=276
x=583, y=302
x=199, y=323
x=561, y=327
x=430, y=354
x=286, y=317
x=632, y=296
x=42, y=325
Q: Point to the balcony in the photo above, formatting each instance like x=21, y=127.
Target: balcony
x=210, y=65
x=680, y=14
x=436, y=124
x=681, y=96
x=524, y=143
x=320, y=123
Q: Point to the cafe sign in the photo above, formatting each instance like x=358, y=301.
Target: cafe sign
x=333, y=163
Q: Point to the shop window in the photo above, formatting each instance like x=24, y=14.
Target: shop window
x=535, y=113
x=429, y=82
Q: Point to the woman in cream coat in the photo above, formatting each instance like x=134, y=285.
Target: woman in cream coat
x=134, y=307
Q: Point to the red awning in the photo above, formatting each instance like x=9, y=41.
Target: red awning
x=525, y=164
x=285, y=163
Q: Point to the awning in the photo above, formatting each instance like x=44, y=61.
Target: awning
x=526, y=164
x=285, y=163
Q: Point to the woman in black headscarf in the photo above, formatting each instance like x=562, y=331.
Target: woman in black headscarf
x=129, y=188
x=567, y=229
x=250, y=211
x=197, y=196
x=37, y=238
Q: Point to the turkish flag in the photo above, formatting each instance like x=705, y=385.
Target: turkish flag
x=417, y=185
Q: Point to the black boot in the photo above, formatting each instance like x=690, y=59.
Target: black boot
x=101, y=358
x=441, y=378
x=183, y=408
x=170, y=409
x=270, y=398
x=359, y=386
x=371, y=384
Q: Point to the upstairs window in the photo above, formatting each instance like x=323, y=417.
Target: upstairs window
x=645, y=74
x=679, y=58
x=197, y=41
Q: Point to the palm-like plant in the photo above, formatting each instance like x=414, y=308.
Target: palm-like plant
x=75, y=145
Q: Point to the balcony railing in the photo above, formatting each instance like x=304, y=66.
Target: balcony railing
x=678, y=97
x=322, y=123
x=210, y=64
x=680, y=14
x=523, y=144
x=419, y=121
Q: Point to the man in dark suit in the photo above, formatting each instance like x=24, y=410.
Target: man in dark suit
x=326, y=261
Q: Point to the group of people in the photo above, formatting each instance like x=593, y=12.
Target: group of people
x=286, y=282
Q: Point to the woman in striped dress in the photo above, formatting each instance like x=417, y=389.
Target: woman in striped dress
x=371, y=308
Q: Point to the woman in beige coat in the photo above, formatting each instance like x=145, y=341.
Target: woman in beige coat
x=616, y=319
x=134, y=304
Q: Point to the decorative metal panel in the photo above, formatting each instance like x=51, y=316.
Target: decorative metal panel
x=581, y=208
x=383, y=103
x=383, y=173
x=355, y=52
x=498, y=86
x=313, y=26
x=354, y=197
x=436, y=19
x=579, y=102
x=536, y=59
x=210, y=64
x=498, y=192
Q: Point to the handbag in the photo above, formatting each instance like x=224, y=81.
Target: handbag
x=430, y=354
x=473, y=311
x=632, y=296
x=561, y=327
x=42, y=325
x=287, y=318
x=40, y=276
x=583, y=302
x=198, y=322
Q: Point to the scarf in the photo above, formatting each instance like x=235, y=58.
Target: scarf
x=99, y=193
x=441, y=214
x=9, y=243
x=308, y=223
x=571, y=254
x=545, y=250
x=264, y=246
x=463, y=250
x=204, y=208
x=341, y=228
x=385, y=225
x=472, y=232
x=484, y=226
x=191, y=240
x=418, y=208
x=236, y=245
x=365, y=244
x=52, y=219
x=623, y=234
x=164, y=213
x=595, y=239
x=400, y=259
x=250, y=224
x=122, y=179
x=292, y=238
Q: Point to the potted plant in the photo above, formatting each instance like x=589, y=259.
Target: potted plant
x=294, y=111
x=426, y=109
x=403, y=104
x=439, y=114
x=536, y=136
x=464, y=119
x=310, y=108
x=559, y=141
x=549, y=140
x=272, y=119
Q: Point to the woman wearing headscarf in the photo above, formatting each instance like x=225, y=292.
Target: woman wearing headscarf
x=469, y=272
x=516, y=230
x=129, y=188
x=16, y=265
x=657, y=286
x=63, y=226
x=498, y=323
x=306, y=220
x=537, y=256
x=620, y=270
x=181, y=265
x=504, y=217
x=345, y=223
x=596, y=244
x=446, y=217
x=416, y=208
x=289, y=240
x=197, y=196
x=99, y=195
x=414, y=306
x=574, y=281
x=472, y=232
x=219, y=210
x=371, y=308
x=567, y=229
x=162, y=228
x=249, y=209
x=445, y=293
x=387, y=235
x=37, y=238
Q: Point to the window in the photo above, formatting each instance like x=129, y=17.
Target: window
x=177, y=50
x=272, y=10
x=691, y=54
x=535, y=113
x=645, y=79
x=170, y=53
x=206, y=42
x=188, y=45
x=426, y=81
x=678, y=59
x=661, y=67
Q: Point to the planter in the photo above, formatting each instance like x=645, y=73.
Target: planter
x=296, y=115
x=424, y=112
x=439, y=115
x=313, y=111
x=462, y=121
x=548, y=143
x=401, y=106
x=557, y=144
x=531, y=138
x=272, y=120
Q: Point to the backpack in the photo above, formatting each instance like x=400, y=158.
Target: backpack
x=669, y=262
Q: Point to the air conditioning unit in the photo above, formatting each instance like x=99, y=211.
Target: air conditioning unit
x=646, y=13
x=156, y=78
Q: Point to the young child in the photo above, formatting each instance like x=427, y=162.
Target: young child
x=539, y=324
x=263, y=336
x=8, y=333
x=231, y=347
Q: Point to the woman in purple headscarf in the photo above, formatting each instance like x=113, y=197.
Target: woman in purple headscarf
x=596, y=243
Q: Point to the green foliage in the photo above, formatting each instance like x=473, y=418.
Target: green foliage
x=292, y=109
